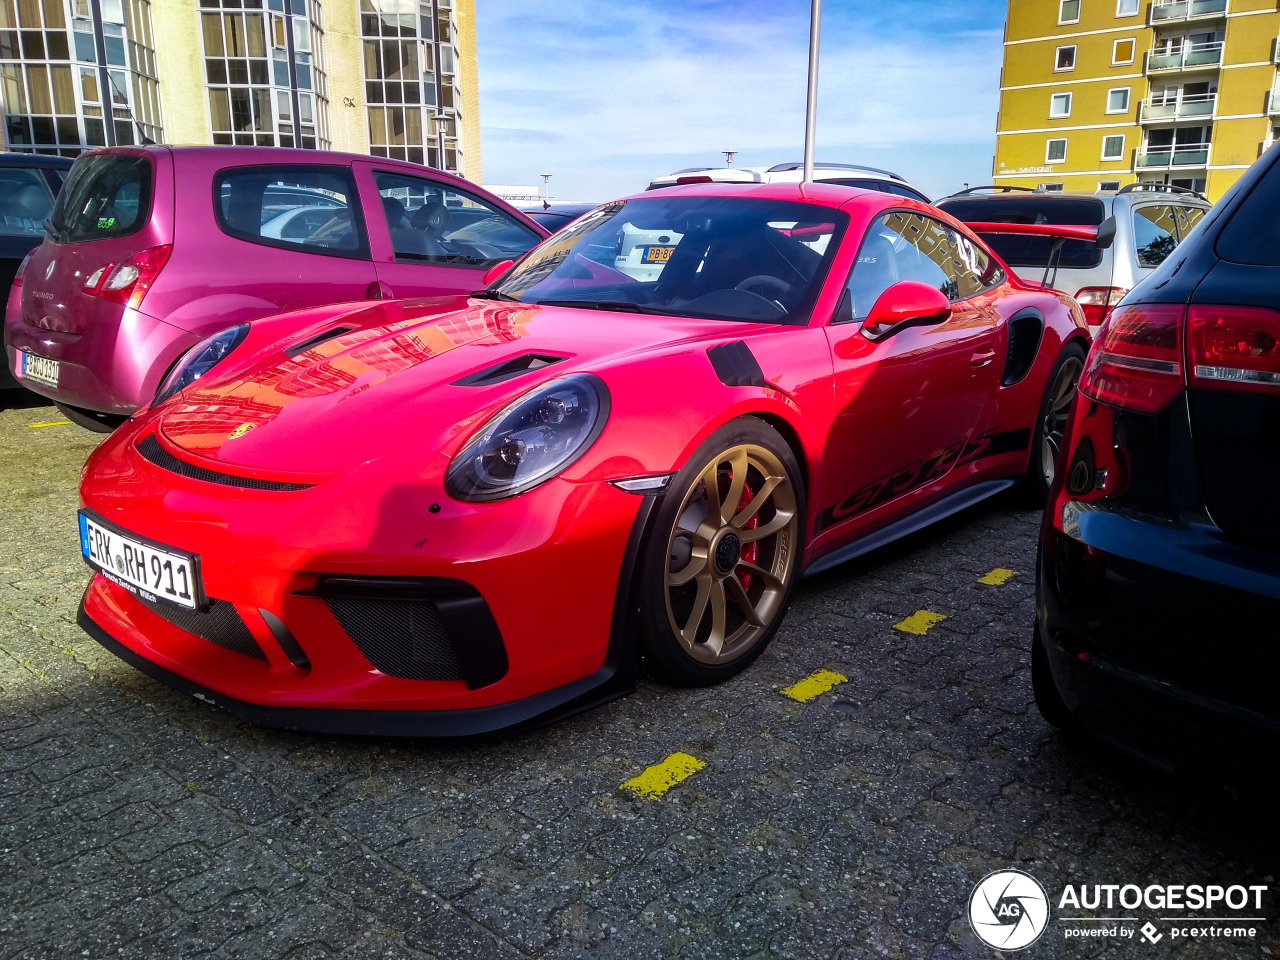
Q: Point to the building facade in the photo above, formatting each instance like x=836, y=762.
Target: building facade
x=1097, y=94
x=394, y=78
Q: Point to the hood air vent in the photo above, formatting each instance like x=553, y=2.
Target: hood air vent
x=296, y=348
x=508, y=369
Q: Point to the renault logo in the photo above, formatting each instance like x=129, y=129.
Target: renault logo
x=48, y=271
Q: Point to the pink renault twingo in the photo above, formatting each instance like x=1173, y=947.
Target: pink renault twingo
x=151, y=249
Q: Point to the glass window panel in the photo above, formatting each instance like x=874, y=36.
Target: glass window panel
x=306, y=108
x=262, y=119
x=88, y=85
x=280, y=72
x=413, y=126
x=68, y=130
x=211, y=27
x=38, y=89
x=303, y=73
x=1154, y=234
x=284, y=105
x=95, y=134
x=56, y=43
x=9, y=45
x=216, y=70
x=233, y=30
x=241, y=112
x=15, y=88
x=8, y=15
x=301, y=35
x=237, y=71
x=278, y=38
x=54, y=17
x=112, y=11
x=254, y=35
x=85, y=49
x=412, y=92
x=29, y=13
x=115, y=51
x=258, y=72
x=219, y=110
x=124, y=132
x=64, y=95
x=119, y=84
x=372, y=61
x=42, y=130
x=377, y=125
x=32, y=45
x=19, y=130
x=276, y=5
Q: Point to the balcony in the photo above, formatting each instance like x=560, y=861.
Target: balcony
x=1192, y=107
x=1191, y=56
x=1181, y=10
x=1273, y=101
x=1165, y=158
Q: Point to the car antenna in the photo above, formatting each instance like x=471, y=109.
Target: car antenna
x=811, y=100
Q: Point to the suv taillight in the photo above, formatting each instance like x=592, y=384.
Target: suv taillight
x=129, y=281
x=1098, y=301
x=1136, y=362
x=22, y=268
x=1234, y=348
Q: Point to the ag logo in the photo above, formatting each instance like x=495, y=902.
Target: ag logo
x=241, y=430
x=1008, y=910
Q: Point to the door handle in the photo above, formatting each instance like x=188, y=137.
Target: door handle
x=378, y=291
x=982, y=357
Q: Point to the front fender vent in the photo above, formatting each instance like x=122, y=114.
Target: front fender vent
x=509, y=369
x=1025, y=331
x=736, y=365
x=151, y=450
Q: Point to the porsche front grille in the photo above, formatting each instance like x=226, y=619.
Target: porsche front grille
x=219, y=625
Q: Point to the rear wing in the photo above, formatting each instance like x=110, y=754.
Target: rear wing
x=1058, y=233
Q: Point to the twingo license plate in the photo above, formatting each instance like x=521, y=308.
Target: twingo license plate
x=657, y=254
x=37, y=369
x=148, y=570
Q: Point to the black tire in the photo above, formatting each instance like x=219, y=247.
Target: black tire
x=1050, y=422
x=91, y=419
x=1048, y=700
x=750, y=605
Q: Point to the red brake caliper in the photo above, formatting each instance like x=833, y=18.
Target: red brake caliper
x=750, y=551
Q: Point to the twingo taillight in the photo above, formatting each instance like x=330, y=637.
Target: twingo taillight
x=130, y=280
x=94, y=280
x=1136, y=362
x=1234, y=348
x=22, y=268
x=1096, y=302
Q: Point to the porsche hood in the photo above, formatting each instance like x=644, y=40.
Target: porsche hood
x=395, y=376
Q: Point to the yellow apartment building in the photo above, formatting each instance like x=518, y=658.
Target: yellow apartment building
x=1096, y=94
x=394, y=78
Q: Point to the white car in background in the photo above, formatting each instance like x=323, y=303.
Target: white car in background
x=840, y=174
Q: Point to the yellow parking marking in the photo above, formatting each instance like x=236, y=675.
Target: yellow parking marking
x=55, y=423
x=814, y=685
x=998, y=577
x=920, y=622
x=661, y=777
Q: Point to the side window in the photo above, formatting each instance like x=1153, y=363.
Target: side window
x=1188, y=219
x=1154, y=233
x=433, y=223
x=312, y=209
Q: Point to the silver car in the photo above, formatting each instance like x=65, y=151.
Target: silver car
x=1144, y=221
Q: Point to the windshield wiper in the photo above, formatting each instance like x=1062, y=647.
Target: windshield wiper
x=493, y=295
x=619, y=306
x=52, y=232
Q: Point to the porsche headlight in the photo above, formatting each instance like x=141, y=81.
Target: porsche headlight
x=199, y=360
x=531, y=440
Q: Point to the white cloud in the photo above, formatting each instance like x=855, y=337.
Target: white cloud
x=607, y=95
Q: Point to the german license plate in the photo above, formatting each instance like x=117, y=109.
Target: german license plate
x=37, y=369
x=145, y=569
x=657, y=254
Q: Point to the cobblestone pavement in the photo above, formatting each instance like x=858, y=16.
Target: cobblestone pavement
x=136, y=822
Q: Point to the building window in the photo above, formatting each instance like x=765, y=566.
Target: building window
x=1122, y=51
x=1059, y=105
x=1118, y=100
x=1112, y=185
x=265, y=72
x=411, y=87
x=1127, y=8
x=1055, y=150
x=1113, y=147
x=1049, y=187
x=1065, y=59
x=1069, y=11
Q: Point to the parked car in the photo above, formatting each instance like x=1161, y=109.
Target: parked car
x=1146, y=221
x=28, y=185
x=456, y=516
x=142, y=263
x=556, y=215
x=837, y=174
x=1159, y=563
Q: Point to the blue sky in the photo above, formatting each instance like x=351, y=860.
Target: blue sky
x=607, y=94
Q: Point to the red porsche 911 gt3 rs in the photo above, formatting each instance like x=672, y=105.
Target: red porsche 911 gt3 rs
x=456, y=516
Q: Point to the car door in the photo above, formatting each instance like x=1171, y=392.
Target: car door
x=432, y=237
x=907, y=406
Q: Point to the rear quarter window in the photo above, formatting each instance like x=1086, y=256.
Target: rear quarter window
x=1252, y=235
x=311, y=209
x=107, y=195
x=1033, y=251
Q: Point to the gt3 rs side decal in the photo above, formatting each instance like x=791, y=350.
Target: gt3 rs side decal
x=900, y=481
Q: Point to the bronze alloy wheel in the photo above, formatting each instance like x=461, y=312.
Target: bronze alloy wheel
x=732, y=554
x=1057, y=410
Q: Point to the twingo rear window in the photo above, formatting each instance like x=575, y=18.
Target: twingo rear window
x=107, y=195
x=1033, y=251
x=1252, y=235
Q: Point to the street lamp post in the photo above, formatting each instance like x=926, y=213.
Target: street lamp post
x=811, y=102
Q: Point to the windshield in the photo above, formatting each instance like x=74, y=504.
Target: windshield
x=722, y=258
x=107, y=195
x=25, y=201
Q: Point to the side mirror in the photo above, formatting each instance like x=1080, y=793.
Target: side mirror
x=1106, y=233
x=494, y=272
x=907, y=303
